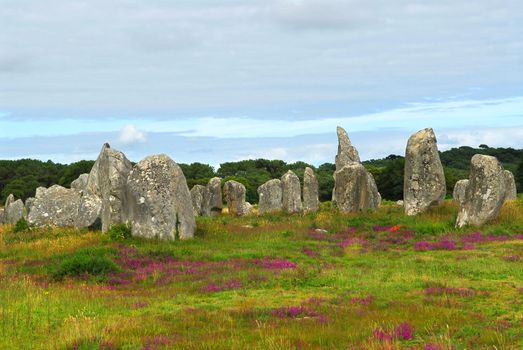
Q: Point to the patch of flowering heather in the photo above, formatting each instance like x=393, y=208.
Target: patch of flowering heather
x=362, y=301
x=381, y=335
x=468, y=246
x=518, y=236
x=432, y=346
x=352, y=241
x=232, y=284
x=404, y=331
x=381, y=228
x=443, y=244
x=310, y=252
x=293, y=312
x=270, y=263
x=157, y=342
x=464, y=292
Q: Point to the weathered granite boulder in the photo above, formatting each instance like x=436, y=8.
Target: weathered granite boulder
x=352, y=181
x=424, y=183
x=89, y=212
x=2, y=216
x=107, y=181
x=485, y=193
x=291, y=193
x=510, y=185
x=80, y=183
x=356, y=189
x=270, y=197
x=56, y=206
x=29, y=202
x=200, y=196
x=311, y=201
x=235, y=196
x=215, y=195
x=158, y=201
x=460, y=188
x=13, y=210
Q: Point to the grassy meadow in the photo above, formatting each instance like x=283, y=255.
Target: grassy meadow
x=377, y=280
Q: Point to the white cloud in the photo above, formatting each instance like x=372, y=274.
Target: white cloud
x=130, y=134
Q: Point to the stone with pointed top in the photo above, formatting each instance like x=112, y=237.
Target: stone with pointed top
x=13, y=210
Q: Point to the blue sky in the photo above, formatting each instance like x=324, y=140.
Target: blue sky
x=224, y=80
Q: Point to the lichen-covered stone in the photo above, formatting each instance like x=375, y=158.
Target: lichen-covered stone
x=311, y=201
x=80, y=183
x=214, y=188
x=235, y=196
x=291, y=193
x=158, y=201
x=424, y=183
x=29, y=202
x=107, y=181
x=485, y=193
x=13, y=210
x=200, y=200
x=510, y=185
x=356, y=189
x=270, y=197
x=460, y=189
x=55, y=206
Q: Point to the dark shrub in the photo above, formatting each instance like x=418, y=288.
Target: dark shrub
x=91, y=262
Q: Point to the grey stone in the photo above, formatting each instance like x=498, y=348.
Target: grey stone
x=460, y=188
x=485, y=193
x=235, y=196
x=215, y=195
x=356, y=189
x=13, y=210
x=400, y=203
x=29, y=202
x=291, y=193
x=270, y=197
x=510, y=185
x=107, y=181
x=158, y=202
x=56, y=206
x=89, y=212
x=80, y=183
x=200, y=196
x=2, y=216
x=424, y=184
x=311, y=201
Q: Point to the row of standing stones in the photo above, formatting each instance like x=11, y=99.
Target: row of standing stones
x=153, y=198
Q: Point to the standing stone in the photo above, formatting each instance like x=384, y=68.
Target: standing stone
x=354, y=186
x=215, y=195
x=29, y=202
x=291, y=193
x=485, y=193
x=2, y=216
x=270, y=197
x=460, y=189
x=80, y=183
x=200, y=200
x=107, y=182
x=235, y=196
x=510, y=185
x=56, y=206
x=13, y=210
x=356, y=189
x=424, y=183
x=311, y=201
x=159, y=203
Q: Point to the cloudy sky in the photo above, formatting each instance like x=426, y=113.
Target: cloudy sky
x=223, y=80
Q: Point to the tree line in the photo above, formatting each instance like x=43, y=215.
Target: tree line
x=22, y=177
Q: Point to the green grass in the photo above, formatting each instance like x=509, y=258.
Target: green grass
x=63, y=289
